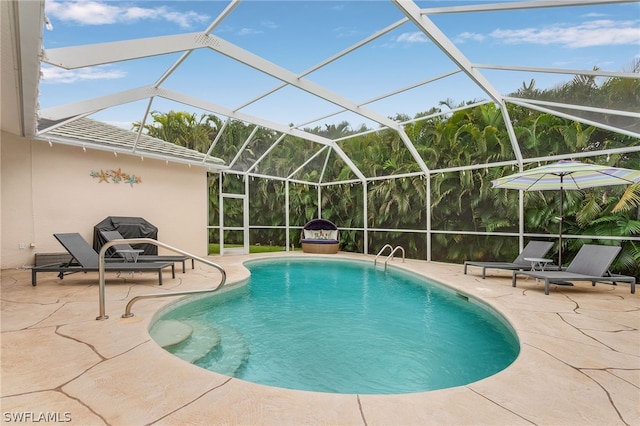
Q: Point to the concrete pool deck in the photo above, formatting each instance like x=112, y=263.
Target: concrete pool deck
x=579, y=361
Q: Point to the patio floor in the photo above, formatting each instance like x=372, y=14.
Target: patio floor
x=579, y=361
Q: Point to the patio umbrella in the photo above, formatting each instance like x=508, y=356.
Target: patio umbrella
x=564, y=175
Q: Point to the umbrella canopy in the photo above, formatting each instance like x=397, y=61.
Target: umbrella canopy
x=567, y=174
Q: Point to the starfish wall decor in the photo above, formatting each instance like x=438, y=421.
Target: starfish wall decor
x=115, y=176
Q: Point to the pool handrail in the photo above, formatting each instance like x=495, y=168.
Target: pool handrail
x=127, y=312
x=390, y=256
x=380, y=252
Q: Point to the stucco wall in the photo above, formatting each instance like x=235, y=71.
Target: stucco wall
x=49, y=189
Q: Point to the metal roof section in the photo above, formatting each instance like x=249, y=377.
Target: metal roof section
x=94, y=134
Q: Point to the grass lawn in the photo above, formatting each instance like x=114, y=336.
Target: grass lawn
x=215, y=248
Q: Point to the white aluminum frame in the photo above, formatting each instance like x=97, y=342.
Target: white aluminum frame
x=25, y=21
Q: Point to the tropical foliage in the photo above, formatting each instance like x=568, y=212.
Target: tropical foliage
x=463, y=206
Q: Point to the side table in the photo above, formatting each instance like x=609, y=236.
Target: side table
x=538, y=263
x=130, y=255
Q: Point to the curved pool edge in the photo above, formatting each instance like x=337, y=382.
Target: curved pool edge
x=413, y=410
x=365, y=261
x=578, y=362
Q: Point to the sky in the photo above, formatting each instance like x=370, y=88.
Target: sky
x=298, y=35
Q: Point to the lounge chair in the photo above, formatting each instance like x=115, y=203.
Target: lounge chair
x=85, y=259
x=126, y=252
x=320, y=236
x=533, y=250
x=590, y=264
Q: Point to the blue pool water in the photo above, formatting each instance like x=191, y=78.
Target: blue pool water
x=345, y=327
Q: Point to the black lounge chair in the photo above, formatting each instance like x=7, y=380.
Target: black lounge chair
x=590, y=264
x=126, y=252
x=85, y=259
x=533, y=250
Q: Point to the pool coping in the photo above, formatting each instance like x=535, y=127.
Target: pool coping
x=579, y=361
x=462, y=299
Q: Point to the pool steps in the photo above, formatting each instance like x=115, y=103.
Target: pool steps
x=230, y=355
x=168, y=333
x=203, y=340
x=222, y=349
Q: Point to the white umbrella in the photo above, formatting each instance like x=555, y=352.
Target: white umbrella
x=567, y=174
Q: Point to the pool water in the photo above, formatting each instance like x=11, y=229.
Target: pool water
x=345, y=327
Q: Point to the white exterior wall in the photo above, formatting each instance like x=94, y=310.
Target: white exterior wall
x=49, y=189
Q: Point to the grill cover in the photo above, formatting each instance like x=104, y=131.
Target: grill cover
x=128, y=227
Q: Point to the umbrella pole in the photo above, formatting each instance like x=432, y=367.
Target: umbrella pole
x=561, y=219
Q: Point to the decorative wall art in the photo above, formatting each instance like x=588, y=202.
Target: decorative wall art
x=115, y=176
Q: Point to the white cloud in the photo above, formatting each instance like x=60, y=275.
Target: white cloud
x=466, y=36
x=269, y=24
x=86, y=12
x=90, y=12
x=248, y=31
x=416, y=37
x=58, y=75
x=139, y=13
x=588, y=34
x=185, y=20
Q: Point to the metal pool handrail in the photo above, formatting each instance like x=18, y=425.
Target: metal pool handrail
x=391, y=255
x=389, y=246
x=393, y=251
x=127, y=312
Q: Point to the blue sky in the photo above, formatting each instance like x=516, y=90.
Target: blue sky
x=297, y=35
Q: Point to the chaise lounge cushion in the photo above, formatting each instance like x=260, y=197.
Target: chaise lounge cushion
x=321, y=234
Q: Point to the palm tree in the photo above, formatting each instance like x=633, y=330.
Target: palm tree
x=460, y=200
x=182, y=128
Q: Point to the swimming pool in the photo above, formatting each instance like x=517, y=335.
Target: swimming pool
x=344, y=327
